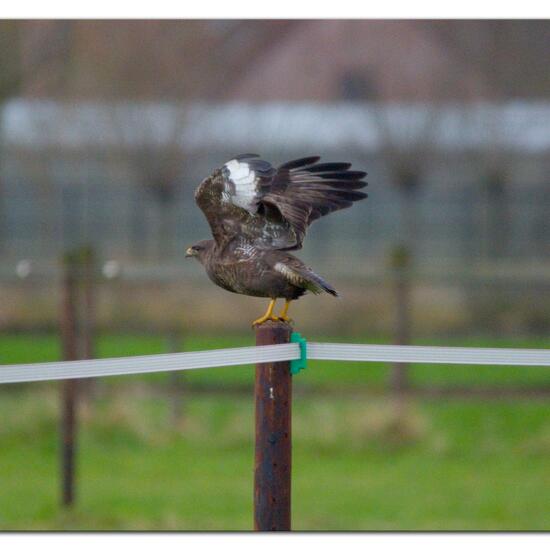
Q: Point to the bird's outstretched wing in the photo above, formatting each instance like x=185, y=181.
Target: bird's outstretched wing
x=272, y=207
x=304, y=190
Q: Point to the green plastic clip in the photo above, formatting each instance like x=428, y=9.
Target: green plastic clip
x=296, y=365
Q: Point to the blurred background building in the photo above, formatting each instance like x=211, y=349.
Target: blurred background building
x=106, y=128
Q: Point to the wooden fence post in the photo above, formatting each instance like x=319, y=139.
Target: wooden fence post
x=86, y=297
x=272, y=470
x=69, y=342
x=88, y=278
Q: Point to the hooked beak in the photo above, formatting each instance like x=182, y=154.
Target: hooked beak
x=190, y=252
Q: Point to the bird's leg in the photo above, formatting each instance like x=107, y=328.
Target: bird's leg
x=268, y=316
x=284, y=317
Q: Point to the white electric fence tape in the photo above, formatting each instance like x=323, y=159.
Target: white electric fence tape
x=89, y=368
x=264, y=354
x=430, y=354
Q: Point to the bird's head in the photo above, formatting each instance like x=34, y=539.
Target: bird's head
x=199, y=250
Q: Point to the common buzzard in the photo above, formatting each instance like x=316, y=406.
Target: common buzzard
x=258, y=213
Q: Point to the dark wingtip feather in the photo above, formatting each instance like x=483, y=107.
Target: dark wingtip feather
x=299, y=163
x=358, y=195
x=344, y=194
x=347, y=175
x=329, y=167
x=346, y=184
x=246, y=156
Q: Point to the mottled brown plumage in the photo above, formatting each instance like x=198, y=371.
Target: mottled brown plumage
x=258, y=213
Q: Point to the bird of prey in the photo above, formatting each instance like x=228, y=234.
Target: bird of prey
x=258, y=213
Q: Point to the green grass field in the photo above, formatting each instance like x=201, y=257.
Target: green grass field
x=358, y=461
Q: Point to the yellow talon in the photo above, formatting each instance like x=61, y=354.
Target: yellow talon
x=268, y=315
x=284, y=317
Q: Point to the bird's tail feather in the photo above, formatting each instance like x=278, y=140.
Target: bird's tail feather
x=296, y=272
x=315, y=283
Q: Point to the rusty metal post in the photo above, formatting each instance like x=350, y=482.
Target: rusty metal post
x=272, y=470
x=69, y=342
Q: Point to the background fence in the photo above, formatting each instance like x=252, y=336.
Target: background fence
x=463, y=189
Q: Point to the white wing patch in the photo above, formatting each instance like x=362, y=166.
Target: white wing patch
x=241, y=189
